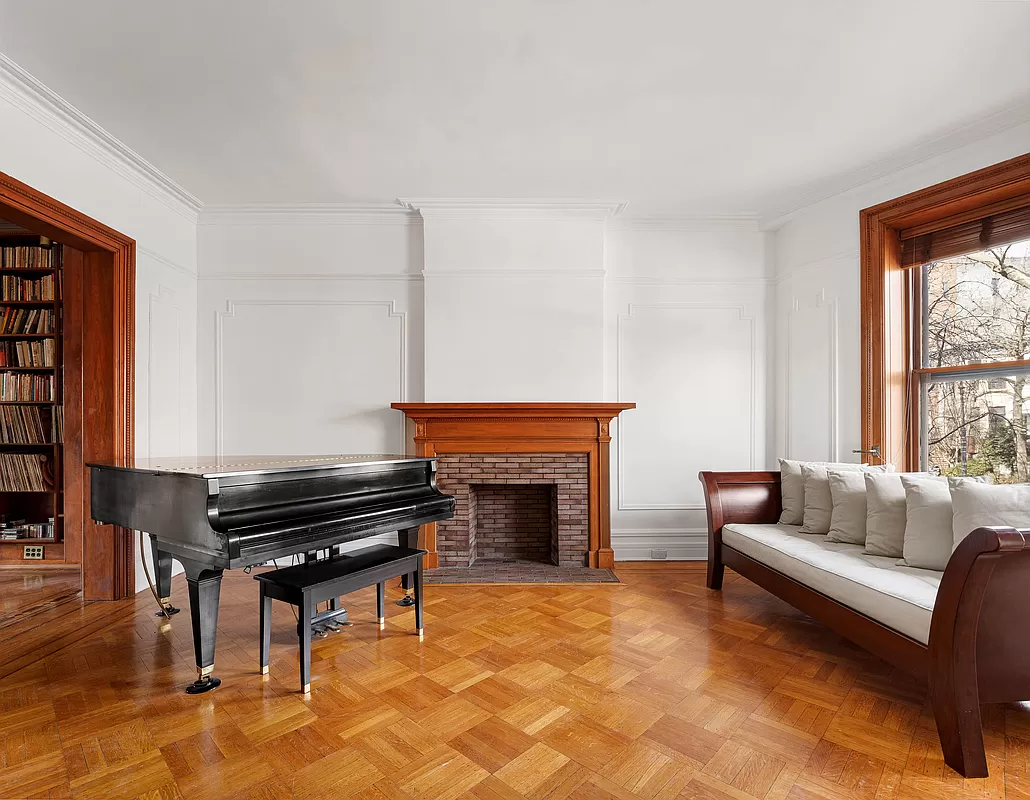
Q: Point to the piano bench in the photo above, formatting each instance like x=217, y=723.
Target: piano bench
x=307, y=585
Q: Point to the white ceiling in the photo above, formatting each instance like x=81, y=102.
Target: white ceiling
x=716, y=107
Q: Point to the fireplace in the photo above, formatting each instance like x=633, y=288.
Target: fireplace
x=532, y=507
x=505, y=463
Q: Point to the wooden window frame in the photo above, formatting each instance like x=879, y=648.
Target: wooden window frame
x=890, y=362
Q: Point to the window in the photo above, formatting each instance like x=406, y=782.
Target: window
x=945, y=322
x=975, y=317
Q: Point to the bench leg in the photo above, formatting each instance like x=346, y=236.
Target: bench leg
x=266, y=628
x=381, y=604
x=418, y=599
x=306, y=610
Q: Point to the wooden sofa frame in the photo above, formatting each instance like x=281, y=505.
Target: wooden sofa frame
x=979, y=651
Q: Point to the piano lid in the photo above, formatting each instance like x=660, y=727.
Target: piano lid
x=220, y=466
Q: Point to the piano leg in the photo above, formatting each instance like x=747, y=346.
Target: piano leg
x=204, y=585
x=163, y=577
x=407, y=537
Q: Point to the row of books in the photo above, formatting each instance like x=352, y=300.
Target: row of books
x=26, y=257
x=14, y=287
x=23, y=472
x=31, y=425
x=26, y=320
x=20, y=529
x=29, y=353
x=26, y=388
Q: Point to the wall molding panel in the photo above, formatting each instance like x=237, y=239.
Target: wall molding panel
x=625, y=503
x=231, y=307
x=820, y=302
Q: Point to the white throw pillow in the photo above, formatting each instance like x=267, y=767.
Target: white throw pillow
x=930, y=527
x=848, y=493
x=977, y=504
x=885, y=512
x=792, y=489
x=818, y=502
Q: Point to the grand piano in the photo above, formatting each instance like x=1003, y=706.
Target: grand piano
x=213, y=514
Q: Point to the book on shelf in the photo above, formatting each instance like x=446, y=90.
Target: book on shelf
x=17, y=288
x=30, y=353
x=20, y=529
x=26, y=257
x=21, y=472
x=26, y=320
x=20, y=387
x=30, y=425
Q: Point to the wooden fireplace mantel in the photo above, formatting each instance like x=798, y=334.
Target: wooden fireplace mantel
x=454, y=428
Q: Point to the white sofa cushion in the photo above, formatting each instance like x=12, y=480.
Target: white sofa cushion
x=928, y=528
x=847, y=520
x=818, y=500
x=885, y=514
x=898, y=597
x=792, y=489
x=978, y=504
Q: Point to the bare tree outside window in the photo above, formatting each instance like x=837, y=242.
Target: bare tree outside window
x=976, y=312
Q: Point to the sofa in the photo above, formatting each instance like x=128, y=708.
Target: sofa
x=955, y=629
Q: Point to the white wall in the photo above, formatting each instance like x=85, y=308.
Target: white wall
x=817, y=361
x=491, y=301
x=686, y=340
x=310, y=325
x=50, y=146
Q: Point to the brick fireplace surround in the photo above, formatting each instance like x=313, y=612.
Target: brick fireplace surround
x=531, y=481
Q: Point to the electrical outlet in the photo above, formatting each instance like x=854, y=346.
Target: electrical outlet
x=34, y=552
x=657, y=554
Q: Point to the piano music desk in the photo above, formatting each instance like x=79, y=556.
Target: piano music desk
x=307, y=585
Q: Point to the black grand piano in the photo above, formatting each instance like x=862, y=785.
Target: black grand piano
x=213, y=514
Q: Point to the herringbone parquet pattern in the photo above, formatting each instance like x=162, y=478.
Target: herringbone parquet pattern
x=653, y=689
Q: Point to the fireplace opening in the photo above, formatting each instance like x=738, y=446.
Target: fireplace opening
x=513, y=522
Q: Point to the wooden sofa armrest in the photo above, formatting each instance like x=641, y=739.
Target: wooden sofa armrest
x=743, y=497
x=979, y=650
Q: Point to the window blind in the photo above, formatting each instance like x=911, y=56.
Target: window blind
x=996, y=230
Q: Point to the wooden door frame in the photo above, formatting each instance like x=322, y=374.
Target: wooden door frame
x=889, y=391
x=108, y=571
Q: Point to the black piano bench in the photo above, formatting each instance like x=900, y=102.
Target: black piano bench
x=307, y=585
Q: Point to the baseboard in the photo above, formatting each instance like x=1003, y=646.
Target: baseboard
x=683, y=544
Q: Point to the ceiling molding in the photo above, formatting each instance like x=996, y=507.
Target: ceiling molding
x=309, y=214
x=688, y=224
x=26, y=93
x=925, y=150
x=511, y=208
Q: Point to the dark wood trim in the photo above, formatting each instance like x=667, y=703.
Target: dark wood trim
x=108, y=331
x=887, y=368
x=974, y=655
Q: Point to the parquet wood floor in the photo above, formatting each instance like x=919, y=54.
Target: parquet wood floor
x=655, y=688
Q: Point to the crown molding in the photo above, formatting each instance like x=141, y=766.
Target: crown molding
x=29, y=95
x=688, y=224
x=309, y=214
x=927, y=149
x=508, y=209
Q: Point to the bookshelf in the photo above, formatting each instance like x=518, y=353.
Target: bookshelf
x=31, y=398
